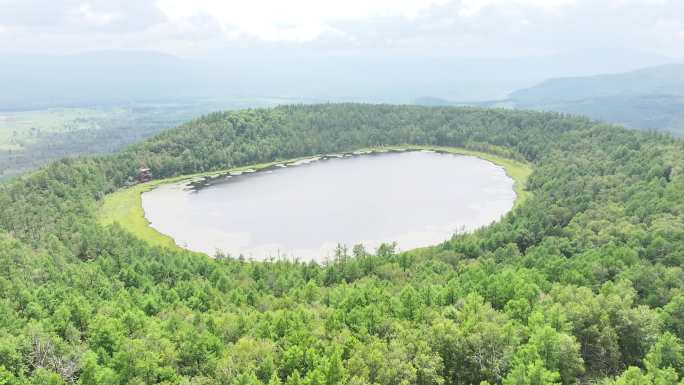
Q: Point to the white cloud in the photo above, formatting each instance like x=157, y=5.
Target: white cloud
x=471, y=8
x=410, y=27
x=86, y=13
x=290, y=20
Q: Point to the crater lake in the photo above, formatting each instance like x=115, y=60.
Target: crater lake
x=304, y=210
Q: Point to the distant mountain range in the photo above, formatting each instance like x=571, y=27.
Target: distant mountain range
x=650, y=98
x=116, y=77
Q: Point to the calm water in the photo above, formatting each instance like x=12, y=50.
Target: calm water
x=414, y=198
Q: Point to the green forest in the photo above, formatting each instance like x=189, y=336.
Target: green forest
x=582, y=283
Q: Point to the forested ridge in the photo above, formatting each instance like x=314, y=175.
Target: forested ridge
x=648, y=99
x=582, y=283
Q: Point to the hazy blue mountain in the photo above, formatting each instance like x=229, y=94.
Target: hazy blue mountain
x=650, y=98
x=35, y=81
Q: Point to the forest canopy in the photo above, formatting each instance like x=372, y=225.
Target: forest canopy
x=582, y=283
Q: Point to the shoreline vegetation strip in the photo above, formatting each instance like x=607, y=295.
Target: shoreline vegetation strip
x=125, y=205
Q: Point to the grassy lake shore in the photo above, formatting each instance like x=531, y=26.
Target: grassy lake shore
x=125, y=206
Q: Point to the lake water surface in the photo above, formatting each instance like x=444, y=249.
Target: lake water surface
x=303, y=211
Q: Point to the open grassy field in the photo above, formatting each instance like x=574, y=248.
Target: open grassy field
x=21, y=128
x=125, y=206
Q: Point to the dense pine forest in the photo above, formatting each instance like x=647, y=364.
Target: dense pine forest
x=582, y=283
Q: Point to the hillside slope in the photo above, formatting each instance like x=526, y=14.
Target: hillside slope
x=651, y=98
x=582, y=283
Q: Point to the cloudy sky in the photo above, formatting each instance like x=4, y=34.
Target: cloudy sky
x=453, y=28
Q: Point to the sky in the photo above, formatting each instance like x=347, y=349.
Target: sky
x=435, y=28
